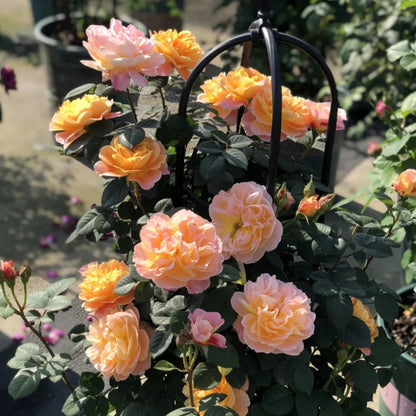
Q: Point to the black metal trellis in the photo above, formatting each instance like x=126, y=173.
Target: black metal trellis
x=261, y=30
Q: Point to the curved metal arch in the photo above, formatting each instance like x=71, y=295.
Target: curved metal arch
x=261, y=29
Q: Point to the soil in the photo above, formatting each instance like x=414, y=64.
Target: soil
x=403, y=328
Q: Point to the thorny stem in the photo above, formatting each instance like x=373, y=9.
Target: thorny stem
x=133, y=109
x=189, y=367
x=338, y=368
x=136, y=193
x=162, y=97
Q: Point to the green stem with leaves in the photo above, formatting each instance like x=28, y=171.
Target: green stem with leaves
x=133, y=109
x=338, y=367
x=189, y=359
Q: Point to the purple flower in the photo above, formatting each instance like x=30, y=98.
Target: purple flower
x=52, y=274
x=48, y=240
x=8, y=78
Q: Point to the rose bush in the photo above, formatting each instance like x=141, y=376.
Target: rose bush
x=224, y=297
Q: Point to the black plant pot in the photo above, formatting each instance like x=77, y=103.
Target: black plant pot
x=64, y=69
x=393, y=402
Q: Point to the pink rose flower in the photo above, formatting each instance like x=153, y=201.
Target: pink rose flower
x=181, y=251
x=320, y=116
x=8, y=270
x=121, y=53
x=273, y=316
x=203, y=327
x=120, y=346
x=245, y=220
x=406, y=183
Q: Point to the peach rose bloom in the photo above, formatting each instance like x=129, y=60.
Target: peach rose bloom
x=73, y=116
x=180, y=50
x=228, y=92
x=145, y=163
x=273, y=316
x=97, y=286
x=406, y=183
x=237, y=399
x=119, y=345
x=320, y=116
x=362, y=312
x=181, y=251
x=204, y=326
x=245, y=220
x=309, y=206
x=122, y=53
x=296, y=116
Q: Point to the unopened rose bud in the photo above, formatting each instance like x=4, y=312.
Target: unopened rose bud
x=309, y=206
x=25, y=272
x=381, y=107
x=373, y=149
x=7, y=270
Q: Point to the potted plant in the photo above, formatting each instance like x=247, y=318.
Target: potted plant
x=222, y=298
x=60, y=37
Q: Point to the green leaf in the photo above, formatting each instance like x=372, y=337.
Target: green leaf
x=364, y=376
x=6, y=311
x=126, y=284
x=219, y=300
x=124, y=244
x=356, y=333
x=212, y=166
x=183, y=411
x=114, y=192
x=239, y=141
x=100, y=128
x=54, y=367
x=61, y=286
x=143, y=292
x=206, y=376
x=408, y=62
x=38, y=299
x=23, y=353
x=165, y=365
x=352, y=289
x=131, y=136
x=24, y=384
x=229, y=273
x=160, y=341
x=86, y=223
x=386, y=306
x=339, y=310
x=277, y=400
x=236, y=157
x=77, y=333
x=407, y=3
x=220, y=411
x=303, y=379
x=178, y=320
x=223, y=357
x=210, y=400
x=57, y=303
x=91, y=383
x=408, y=105
x=398, y=50
x=73, y=404
x=81, y=90
x=325, y=287
x=305, y=405
x=210, y=147
x=174, y=130
x=394, y=146
x=384, y=351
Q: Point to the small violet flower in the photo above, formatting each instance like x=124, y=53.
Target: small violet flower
x=48, y=240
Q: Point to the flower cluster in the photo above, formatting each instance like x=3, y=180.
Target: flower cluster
x=224, y=297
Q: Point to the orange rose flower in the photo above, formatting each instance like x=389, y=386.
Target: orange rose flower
x=73, y=116
x=406, y=183
x=296, y=116
x=228, y=92
x=120, y=346
x=180, y=50
x=182, y=251
x=145, y=163
x=362, y=312
x=97, y=287
x=273, y=316
x=245, y=220
x=237, y=399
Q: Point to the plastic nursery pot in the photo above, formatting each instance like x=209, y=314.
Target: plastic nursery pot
x=391, y=401
x=64, y=69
